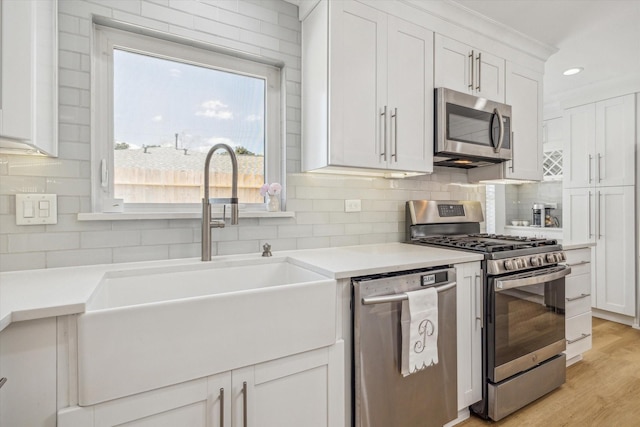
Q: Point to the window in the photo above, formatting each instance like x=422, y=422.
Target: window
x=161, y=105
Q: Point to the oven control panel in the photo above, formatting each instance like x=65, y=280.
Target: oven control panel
x=526, y=262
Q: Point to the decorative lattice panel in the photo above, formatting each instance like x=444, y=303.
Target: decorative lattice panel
x=552, y=165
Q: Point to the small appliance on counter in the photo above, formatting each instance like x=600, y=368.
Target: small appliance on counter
x=542, y=216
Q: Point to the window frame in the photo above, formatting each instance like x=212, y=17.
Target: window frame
x=173, y=48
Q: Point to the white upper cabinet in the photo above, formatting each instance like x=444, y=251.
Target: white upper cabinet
x=28, y=77
x=467, y=69
x=599, y=148
x=524, y=94
x=367, y=90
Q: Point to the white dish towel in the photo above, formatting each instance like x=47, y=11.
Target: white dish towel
x=419, y=331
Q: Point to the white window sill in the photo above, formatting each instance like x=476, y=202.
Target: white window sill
x=128, y=216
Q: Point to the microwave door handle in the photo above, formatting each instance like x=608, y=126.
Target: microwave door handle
x=496, y=149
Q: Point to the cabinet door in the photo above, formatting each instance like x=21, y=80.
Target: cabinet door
x=453, y=65
x=358, y=85
x=288, y=392
x=579, y=146
x=463, y=68
x=553, y=134
x=524, y=94
x=194, y=403
x=410, y=94
x=490, y=77
x=469, y=312
x=28, y=361
x=615, y=141
x=578, y=215
x=615, y=254
x=16, y=88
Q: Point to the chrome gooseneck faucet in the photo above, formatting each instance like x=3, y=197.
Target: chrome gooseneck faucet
x=207, y=222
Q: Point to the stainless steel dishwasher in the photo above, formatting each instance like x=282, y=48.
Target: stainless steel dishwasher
x=382, y=397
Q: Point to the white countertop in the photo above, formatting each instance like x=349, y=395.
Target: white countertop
x=576, y=245
x=35, y=294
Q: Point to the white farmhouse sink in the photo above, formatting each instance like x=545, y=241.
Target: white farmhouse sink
x=149, y=328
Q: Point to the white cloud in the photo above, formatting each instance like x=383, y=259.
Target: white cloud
x=214, y=109
x=253, y=118
x=157, y=118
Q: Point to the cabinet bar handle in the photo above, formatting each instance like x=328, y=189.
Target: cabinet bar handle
x=383, y=140
x=578, y=297
x=599, y=215
x=244, y=404
x=578, y=263
x=394, y=117
x=479, y=71
x=578, y=339
x=589, y=167
x=222, y=407
x=478, y=293
x=513, y=153
x=2, y=381
x=599, y=171
x=471, y=60
x=589, y=212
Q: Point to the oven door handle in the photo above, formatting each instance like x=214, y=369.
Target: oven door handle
x=400, y=297
x=533, y=279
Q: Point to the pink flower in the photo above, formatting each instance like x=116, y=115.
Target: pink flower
x=264, y=189
x=270, y=189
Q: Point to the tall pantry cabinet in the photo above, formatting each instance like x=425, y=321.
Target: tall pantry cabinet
x=599, y=196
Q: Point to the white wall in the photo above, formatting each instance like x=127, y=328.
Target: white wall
x=269, y=28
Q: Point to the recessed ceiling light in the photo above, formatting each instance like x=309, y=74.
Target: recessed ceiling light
x=572, y=71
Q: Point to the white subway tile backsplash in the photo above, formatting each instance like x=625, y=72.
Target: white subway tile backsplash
x=257, y=11
x=161, y=13
x=78, y=257
x=184, y=250
x=239, y=247
x=140, y=253
x=110, y=239
x=314, y=242
x=43, y=242
x=22, y=184
x=23, y=261
x=166, y=236
x=269, y=28
x=68, y=186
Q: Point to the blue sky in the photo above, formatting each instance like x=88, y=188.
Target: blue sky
x=155, y=98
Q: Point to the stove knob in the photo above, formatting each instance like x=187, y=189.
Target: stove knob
x=561, y=256
x=520, y=263
x=551, y=258
x=535, y=261
x=508, y=265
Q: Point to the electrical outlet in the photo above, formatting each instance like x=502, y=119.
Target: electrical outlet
x=352, y=205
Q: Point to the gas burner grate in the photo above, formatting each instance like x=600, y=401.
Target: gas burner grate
x=487, y=243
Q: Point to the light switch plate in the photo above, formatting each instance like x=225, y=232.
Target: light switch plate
x=36, y=209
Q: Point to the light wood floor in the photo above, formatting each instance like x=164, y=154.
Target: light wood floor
x=602, y=390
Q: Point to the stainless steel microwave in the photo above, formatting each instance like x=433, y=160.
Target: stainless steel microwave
x=470, y=131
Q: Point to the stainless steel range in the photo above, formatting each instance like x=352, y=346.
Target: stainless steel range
x=523, y=297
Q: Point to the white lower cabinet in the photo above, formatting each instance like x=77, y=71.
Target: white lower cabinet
x=469, y=312
x=28, y=362
x=578, y=304
x=289, y=392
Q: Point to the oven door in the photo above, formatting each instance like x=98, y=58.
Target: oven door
x=525, y=320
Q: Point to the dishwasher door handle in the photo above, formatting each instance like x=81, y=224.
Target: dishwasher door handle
x=400, y=297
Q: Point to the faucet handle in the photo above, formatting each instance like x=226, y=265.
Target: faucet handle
x=266, y=250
